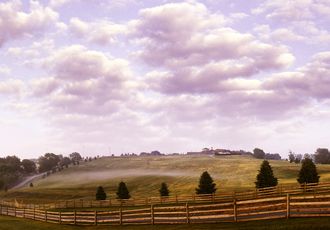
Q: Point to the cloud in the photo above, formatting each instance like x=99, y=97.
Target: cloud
x=5, y=70
x=103, y=32
x=12, y=87
x=59, y=3
x=15, y=23
x=310, y=81
x=306, y=18
x=84, y=81
x=198, y=53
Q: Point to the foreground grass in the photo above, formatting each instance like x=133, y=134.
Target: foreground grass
x=143, y=176
x=8, y=223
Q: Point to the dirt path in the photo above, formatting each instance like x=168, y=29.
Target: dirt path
x=28, y=180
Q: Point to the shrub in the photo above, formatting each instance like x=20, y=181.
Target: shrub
x=122, y=192
x=100, y=194
x=265, y=177
x=206, y=185
x=164, y=190
x=308, y=172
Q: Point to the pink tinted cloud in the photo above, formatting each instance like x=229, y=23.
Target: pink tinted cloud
x=15, y=23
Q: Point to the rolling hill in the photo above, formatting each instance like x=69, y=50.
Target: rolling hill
x=143, y=176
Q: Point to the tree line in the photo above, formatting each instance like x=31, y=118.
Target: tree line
x=265, y=178
x=13, y=169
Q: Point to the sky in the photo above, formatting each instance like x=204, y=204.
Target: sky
x=123, y=76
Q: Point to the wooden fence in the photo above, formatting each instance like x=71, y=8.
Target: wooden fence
x=235, y=211
x=218, y=197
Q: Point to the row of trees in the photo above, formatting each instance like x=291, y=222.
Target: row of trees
x=307, y=174
x=12, y=169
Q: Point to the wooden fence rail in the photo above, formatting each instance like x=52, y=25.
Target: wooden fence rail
x=218, y=197
x=235, y=211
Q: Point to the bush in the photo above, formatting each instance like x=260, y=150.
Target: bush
x=164, y=190
x=100, y=194
x=206, y=185
x=258, y=153
x=122, y=192
x=308, y=172
x=265, y=177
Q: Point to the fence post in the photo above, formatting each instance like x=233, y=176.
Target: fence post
x=187, y=213
x=60, y=217
x=287, y=205
x=15, y=211
x=46, y=215
x=152, y=214
x=120, y=216
x=109, y=202
x=95, y=218
x=34, y=213
x=24, y=213
x=305, y=187
x=74, y=217
x=235, y=210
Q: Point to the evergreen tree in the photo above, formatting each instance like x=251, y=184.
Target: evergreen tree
x=265, y=177
x=100, y=194
x=164, y=190
x=308, y=172
x=122, y=192
x=206, y=185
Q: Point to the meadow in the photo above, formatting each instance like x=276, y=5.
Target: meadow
x=143, y=176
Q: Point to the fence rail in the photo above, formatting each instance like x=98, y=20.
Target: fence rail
x=235, y=211
x=279, y=190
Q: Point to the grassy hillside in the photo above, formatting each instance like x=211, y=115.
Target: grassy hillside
x=143, y=176
x=10, y=223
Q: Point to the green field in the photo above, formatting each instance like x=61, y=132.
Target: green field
x=143, y=176
x=9, y=223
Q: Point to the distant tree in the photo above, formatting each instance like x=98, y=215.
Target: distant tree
x=265, y=177
x=75, y=156
x=298, y=158
x=155, y=153
x=322, y=156
x=48, y=162
x=272, y=156
x=100, y=194
x=13, y=164
x=206, y=185
x=308, y=172
x=291, y=156
x=28, y=166
x=258, y=153
x=31, y=185
x=164, y=190
x=122, y=192
x=66, y=161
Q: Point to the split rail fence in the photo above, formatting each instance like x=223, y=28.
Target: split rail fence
x=235, y=211
x=279, y=190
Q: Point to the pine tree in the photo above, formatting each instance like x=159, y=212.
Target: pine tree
x=122, y=192
x=206, y=185
x=164, y=190
x=265, y=177
x=308, y=172
x=100, y=194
